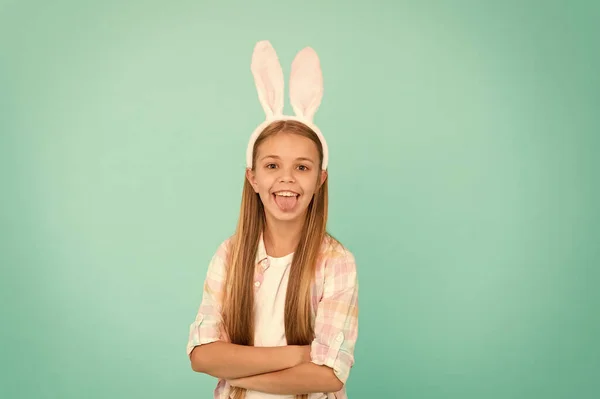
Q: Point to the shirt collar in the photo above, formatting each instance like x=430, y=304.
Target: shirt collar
x=261, y=253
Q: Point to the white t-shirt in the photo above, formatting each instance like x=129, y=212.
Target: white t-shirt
x=269, y=311
x=269, y=308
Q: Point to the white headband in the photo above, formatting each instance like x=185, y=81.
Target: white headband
x=306, y=91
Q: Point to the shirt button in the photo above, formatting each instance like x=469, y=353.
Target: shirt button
x=257, y=283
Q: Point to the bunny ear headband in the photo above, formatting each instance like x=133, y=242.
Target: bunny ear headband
x=306, y=91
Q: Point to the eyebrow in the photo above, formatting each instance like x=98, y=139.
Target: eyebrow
x=297, y=159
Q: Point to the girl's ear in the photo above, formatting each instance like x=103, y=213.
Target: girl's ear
x=322, y=178
x=252, y=179
x=268, y=78
x=306, y=83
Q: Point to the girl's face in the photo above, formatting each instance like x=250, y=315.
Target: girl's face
x=286, y=175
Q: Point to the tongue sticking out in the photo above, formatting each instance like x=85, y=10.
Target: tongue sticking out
x=286, y=203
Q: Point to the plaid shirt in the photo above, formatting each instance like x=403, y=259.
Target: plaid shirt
x=334, y=310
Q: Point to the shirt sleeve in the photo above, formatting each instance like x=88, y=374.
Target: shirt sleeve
x=336, y=323
x=207, y=326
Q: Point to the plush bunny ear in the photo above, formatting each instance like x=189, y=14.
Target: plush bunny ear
x=306, y=83
x=268, y=77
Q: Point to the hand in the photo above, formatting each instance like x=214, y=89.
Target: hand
x=305, y=354
x=235, y=382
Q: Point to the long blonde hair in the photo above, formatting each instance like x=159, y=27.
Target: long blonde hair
x=239, y=298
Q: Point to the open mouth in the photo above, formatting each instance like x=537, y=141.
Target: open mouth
x=286, y=200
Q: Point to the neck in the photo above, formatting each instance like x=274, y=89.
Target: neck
x=281, y=238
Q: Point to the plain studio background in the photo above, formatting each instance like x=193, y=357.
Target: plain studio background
x=464, y=144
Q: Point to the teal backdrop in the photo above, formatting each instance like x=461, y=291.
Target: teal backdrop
x=464, y=167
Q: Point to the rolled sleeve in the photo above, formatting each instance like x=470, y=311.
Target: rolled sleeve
x=207, y=326
x=336, y=323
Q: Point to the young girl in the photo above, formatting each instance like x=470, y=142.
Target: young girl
x=279, y=312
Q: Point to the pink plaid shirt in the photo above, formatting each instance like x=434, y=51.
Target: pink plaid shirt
x=334, y=310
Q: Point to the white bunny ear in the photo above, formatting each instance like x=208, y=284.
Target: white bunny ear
x=306, y=83
x=268, y=77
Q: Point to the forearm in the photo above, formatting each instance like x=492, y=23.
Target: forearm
x=302, y=379
x=230, y=361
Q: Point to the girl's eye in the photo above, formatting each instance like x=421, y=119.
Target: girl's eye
x=303, y=167
x=271, y=166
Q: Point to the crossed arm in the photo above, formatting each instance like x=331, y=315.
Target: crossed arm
x=285, y=370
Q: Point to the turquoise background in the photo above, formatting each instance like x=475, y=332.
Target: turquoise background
x=464, y=143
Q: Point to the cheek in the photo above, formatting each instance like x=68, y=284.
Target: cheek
x=309, y=184
x=263, y=184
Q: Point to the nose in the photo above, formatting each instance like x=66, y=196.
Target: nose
x=287, y=176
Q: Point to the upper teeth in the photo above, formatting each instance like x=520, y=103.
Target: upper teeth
x=286, y=193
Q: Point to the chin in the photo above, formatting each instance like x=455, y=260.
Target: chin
x=283, y=216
